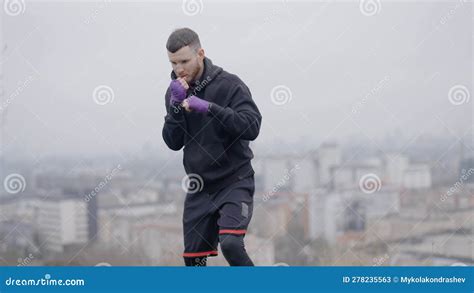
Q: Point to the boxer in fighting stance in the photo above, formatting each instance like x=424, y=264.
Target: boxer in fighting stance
x=211, y=113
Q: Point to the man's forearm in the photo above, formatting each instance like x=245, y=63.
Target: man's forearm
x=174, y=127
x=244, y=124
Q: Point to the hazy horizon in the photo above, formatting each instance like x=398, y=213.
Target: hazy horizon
x=344, y=74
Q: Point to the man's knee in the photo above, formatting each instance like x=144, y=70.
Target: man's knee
x=231, y=243
x=233, y=248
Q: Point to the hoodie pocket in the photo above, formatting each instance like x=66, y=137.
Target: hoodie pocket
x=209, y=160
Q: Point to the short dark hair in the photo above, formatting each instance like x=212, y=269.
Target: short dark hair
x=181, y=38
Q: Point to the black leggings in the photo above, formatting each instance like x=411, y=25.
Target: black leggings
x=232, y=247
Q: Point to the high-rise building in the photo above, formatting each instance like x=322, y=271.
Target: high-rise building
x=329, y=156
x=62, y=221
x=417, y=176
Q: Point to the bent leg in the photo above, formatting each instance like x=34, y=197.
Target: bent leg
x=233, y=248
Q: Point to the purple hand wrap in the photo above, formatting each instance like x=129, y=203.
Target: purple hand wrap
x=198, y=105
x=178, y=92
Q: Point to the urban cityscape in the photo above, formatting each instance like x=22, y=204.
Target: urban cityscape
x=334, y=205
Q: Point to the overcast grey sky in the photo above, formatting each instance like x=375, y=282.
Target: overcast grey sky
x=336, y=69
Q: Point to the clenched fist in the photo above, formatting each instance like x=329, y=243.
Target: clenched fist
x=178, y=89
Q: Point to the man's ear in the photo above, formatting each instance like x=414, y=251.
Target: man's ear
x=201, y=53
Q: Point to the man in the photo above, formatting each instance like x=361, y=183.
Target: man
x=211, y=113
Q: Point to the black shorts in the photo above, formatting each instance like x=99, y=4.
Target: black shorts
x=207, y=215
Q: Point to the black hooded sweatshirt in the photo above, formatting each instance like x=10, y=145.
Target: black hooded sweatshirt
x=216, y=143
